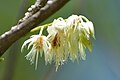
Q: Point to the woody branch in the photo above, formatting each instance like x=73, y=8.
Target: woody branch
x=36, y=14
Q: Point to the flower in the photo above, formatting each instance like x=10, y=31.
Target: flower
x=66, y=39
x=39, y=44
x=73, y=36
x=79, y=33
x=57, y=38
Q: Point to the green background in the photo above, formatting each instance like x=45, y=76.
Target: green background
x=102, y=64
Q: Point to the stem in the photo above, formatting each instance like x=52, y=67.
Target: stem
x=19, y=30
x=39, y=27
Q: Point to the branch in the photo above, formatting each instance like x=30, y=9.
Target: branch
x=33, y=9
x=19, y=30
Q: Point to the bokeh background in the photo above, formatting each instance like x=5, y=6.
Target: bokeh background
x=102, y=64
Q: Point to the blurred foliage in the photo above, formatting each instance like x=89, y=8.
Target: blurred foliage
x=103, y=64
x=1, y=59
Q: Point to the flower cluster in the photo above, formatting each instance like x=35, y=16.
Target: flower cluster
x=66, y=39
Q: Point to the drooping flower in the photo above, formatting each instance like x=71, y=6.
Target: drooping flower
x=79, y=31
x=66, y=39
x=57, y=38
x=73, y=36
x=39, y=44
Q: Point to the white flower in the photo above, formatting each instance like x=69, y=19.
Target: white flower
x=66, y=39
x=39, y=44
x=73, y=36
x=57, y=38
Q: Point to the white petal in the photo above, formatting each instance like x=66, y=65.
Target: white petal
x=25, y=43
x=30, y=44
x=82, y=51
x=37, y=54
x=31, y=55
x=91, y=28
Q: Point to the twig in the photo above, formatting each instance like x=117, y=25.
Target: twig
x=18, y=31
x=33, y=9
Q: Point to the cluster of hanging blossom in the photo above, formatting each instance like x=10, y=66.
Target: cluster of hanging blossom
x=66, y=39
